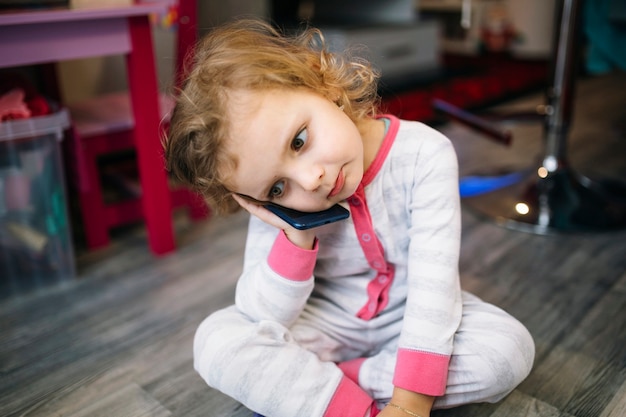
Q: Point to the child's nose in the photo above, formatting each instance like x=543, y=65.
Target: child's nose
x=311, y=179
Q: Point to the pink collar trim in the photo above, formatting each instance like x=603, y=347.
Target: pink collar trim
x=381, y=156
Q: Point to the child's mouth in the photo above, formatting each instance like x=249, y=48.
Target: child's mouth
x=338, y=185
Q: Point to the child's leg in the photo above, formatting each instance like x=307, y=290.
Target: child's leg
x=492, y=354
x=261, y=366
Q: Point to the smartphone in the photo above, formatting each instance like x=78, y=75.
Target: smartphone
x=307, y=220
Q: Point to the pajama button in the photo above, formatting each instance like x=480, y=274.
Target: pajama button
x=365, y=237
x=382, y=279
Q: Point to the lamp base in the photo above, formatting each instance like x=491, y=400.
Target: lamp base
x=563, y=201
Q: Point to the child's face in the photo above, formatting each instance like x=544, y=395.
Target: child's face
x=295, y=148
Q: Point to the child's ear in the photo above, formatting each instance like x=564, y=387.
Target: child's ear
x=335, y=96
x=339, y=102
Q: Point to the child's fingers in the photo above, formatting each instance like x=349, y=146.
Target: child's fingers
x=303, y=238
x=260, y=212
x=245, y=204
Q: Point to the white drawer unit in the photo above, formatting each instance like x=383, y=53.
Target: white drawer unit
x=399, y=52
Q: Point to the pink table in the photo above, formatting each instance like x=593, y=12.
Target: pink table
x=35, y=37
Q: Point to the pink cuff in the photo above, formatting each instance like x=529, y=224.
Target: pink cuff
x=351, y=368
x=291, y=261
x=423, y=372
x=349, y=401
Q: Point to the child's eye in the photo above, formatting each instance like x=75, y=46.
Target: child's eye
x=300, y=140
x=277, y=190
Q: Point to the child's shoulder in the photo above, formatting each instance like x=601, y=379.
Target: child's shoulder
x=414, y=136
x=412, y=127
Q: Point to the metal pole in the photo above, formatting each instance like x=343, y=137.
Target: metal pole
x=560, y=96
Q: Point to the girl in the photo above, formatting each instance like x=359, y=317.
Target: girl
x=358, y=318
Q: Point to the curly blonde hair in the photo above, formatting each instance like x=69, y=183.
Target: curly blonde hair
x=252, y=55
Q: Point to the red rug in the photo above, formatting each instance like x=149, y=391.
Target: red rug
x=469, y=82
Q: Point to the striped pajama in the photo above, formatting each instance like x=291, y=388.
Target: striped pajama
x=325, y=333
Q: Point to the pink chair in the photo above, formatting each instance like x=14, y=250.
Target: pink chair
x=103, y=126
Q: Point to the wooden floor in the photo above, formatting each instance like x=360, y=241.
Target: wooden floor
x=117, y=341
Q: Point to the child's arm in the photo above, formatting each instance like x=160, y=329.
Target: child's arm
x=434, y=306
x=277, y=279
x=404, y=402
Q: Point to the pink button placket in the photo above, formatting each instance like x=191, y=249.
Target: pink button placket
x=378, y=288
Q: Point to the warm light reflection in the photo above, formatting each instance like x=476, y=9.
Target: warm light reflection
x=522, y=208
x=542, y=172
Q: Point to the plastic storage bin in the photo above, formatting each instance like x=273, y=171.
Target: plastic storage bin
x=36, y=249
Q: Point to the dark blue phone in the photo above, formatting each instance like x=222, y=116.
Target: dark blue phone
x=307, y=220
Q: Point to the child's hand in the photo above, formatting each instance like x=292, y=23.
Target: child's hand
x=302, y=238
x=389, y=411
x=259, y=211
x=407, y=403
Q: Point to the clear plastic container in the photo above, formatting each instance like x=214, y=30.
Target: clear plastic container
x=36, y=248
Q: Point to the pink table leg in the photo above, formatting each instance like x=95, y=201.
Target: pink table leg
x=143, y=89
